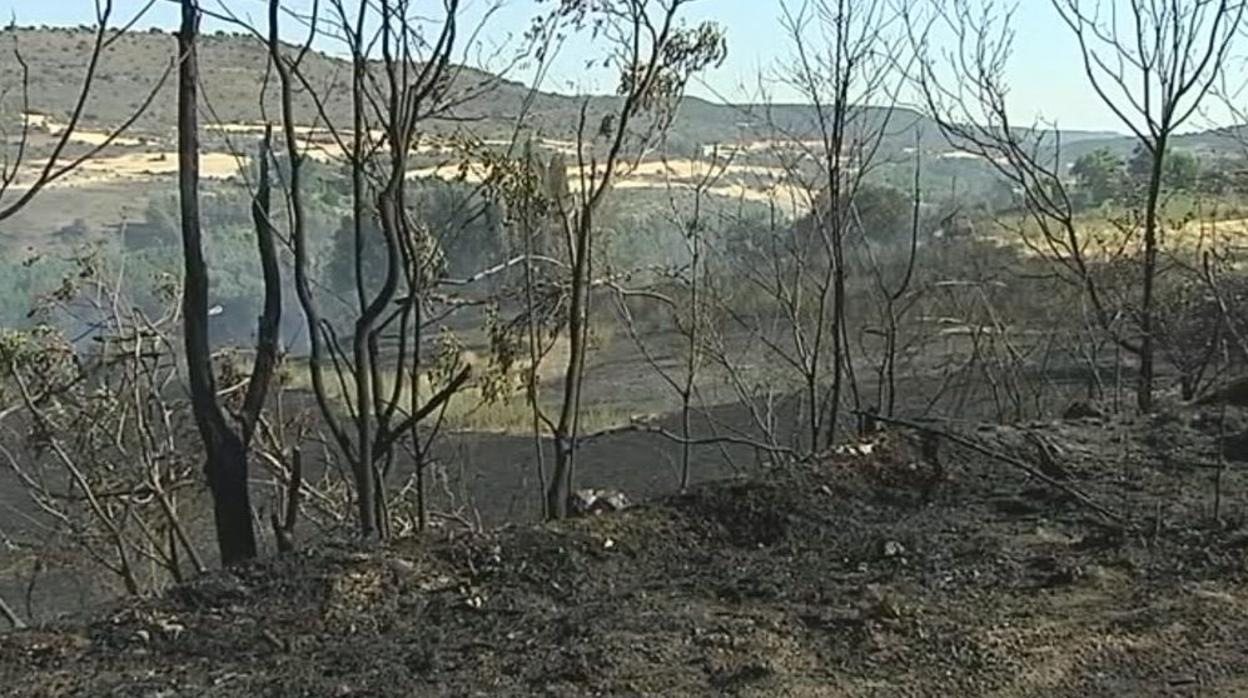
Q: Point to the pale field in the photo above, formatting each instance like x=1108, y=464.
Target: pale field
x=789, y=199
x=754, y=183
x=1102, y=241
x=121, y=164
x=107, y=169
x=762, y=146
x=506, y=413
x=55, y=129
x=685, y=169
x=99, y=138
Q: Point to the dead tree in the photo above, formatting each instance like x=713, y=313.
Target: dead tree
x=686, y=304
x=1153, y=74
x=225, y=445
x=1152, y=67
x=656, y=58
x=845, y=56
x=400, y=80
x=107, y=455
x=22, y=180
x=896, y=296
x=15, y=621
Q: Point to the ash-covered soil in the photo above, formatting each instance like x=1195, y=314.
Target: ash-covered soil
x=864, y=574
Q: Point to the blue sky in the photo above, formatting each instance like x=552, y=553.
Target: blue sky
x=1045, y=74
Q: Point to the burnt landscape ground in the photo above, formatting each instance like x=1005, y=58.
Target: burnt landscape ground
x=859, y=574
x=978, y=546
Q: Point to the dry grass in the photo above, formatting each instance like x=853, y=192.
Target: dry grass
x=129, y=161
x=504, y=411
x=1103, y=239
x=134, y=167
x=469, y=410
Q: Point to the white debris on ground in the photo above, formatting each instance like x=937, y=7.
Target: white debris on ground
x=590, y=501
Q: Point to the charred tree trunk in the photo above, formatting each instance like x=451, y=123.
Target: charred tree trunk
x=560, y=486
x=1144, y=391
x=225, y=461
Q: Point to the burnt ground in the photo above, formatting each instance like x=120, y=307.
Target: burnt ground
x=859, y=575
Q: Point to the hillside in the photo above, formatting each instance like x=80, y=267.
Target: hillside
x=861, y=575
x=139, y=168
x=1209, y=145
x=132, y=180
x=233, y=69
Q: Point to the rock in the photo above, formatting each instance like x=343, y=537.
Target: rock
x=589, y=501
x=882, y=603
x=1082, y=410
x=892, y=548
x=1097, y=575
x=170, y=627
x=725, y=673
x=1237, y=542
x=213, y=591
x=1048, y=453
x=401, y=567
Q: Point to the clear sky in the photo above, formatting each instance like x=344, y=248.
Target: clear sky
x=1046, y=77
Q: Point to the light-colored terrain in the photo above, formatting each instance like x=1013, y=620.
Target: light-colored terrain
x=135, y=168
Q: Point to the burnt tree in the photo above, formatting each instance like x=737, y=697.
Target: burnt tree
x=225, y=446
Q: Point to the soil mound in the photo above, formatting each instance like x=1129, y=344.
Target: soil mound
x=867, y=574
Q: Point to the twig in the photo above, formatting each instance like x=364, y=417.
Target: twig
x=284, y=524
x=704, y=441
x=11, y=616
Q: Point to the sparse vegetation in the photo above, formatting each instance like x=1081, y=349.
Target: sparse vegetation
x=894, y=387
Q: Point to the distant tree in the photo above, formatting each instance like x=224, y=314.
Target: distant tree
x=656, y=56
x=1217, y=179
x=463, y=223
x=73, y=232
x=679, y=146
x=461, y=229
x=382, y=198
x=341, y=265
x=878, y=212
x=884, y=213
x=157, y=230
x=1181, y=171
x=743, y=237
x=1100, y=175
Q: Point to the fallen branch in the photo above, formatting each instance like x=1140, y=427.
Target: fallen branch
x=703, y=441
x=284, y=524
x=435, y=401
x=13, y=618
x=1004, y=458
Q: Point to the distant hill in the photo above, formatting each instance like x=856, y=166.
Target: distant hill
x=233, y=69
x=235, y=92
x=1213, y=144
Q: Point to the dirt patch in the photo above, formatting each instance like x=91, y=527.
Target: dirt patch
x=858, y=576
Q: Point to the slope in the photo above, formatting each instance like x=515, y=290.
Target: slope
x=862, y=575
